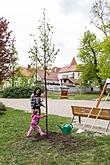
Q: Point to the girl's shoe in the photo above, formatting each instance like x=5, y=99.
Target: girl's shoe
x=29, y=136
x=43, y=134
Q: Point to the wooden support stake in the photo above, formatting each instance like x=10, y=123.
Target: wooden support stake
x=100, y=97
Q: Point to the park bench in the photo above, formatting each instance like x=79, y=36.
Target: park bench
x=84, y=111
x=94, y=112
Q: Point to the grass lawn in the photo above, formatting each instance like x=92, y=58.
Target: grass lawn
x=57, y=149
x=76, y=96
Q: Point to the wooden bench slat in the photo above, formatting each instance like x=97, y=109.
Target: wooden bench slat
x=84, y=111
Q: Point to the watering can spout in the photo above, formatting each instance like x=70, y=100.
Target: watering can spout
x=60, y=127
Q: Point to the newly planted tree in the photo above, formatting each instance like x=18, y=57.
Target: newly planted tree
x=45, y=52
x=34, y=56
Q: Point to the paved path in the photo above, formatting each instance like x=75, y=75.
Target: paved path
x=56, y=107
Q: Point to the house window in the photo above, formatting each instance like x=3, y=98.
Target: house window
x=65, y=76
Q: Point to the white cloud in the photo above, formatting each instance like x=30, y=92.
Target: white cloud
x=68, y=17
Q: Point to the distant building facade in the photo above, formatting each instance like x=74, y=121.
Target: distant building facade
x=56, y=77
x=69, y=74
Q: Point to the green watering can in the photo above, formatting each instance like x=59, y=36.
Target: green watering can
x=66, y=128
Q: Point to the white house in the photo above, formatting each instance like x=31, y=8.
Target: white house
x=69, y=74
x=52, y=76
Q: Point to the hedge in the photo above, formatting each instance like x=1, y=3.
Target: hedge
x=2, y=108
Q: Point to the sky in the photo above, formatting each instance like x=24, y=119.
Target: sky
x=69, y=18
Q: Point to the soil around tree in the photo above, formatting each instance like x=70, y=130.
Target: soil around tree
x=67, y=143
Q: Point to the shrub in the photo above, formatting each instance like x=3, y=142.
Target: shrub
x=2, y=108
x=1, y=93
x=18, y=92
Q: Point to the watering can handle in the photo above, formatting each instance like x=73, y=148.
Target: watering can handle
x=71, y=125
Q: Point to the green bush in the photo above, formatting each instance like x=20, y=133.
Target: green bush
x=2, y=108
x=1, y=93
x=18, y=92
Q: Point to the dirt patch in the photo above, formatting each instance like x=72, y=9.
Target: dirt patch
x=67, y=143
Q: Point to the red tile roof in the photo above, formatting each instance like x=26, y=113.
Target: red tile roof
x=50, y=75
x=70, y=67
x=74, y=81
x=55, y=69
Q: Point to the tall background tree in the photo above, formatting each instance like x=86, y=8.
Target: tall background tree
x=6, y=54
x=104, y=60
x=89, y=56
x=94, y=53
x=100, y=16
x=45, y=52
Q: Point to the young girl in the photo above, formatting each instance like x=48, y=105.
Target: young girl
x=36, y=101
x=34, y=124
